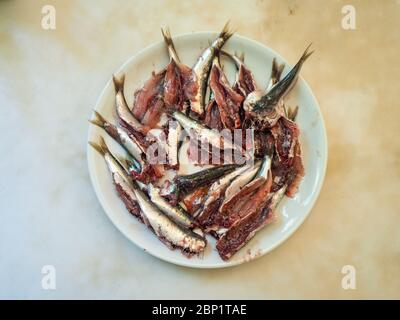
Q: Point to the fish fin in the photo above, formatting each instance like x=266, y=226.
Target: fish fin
x=170, y=44
x=306, y=54
x=226, y=32
x=277, y=69
x=292, y=113
x=167, y=36
x=104, y=146
x=97, y=147
x=119, y=83
x=98, y=120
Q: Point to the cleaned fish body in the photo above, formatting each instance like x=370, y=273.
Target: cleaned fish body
x=245, y=229
x=247, y=199
x=240, y=182
x=169, y=232
x=215, y=197
x=276, y=73
x=180, y=85
x=202, y=69
x=177, y=214
x=228, y=100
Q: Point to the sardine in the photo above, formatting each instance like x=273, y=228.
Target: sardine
x=169, y=232
x=175, y=213
x=202, y=69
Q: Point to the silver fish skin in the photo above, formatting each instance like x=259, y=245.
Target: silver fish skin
x=203, y=133
x=177, y=214
x=127, y=141
x=125, y=117
x=169, y=232
x=202, y=69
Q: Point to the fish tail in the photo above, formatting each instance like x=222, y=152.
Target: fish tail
x=306, y=53
x=277, y=70
x=226, y=32
x=167, y=36
x=170, y=44
x=97, y=147
x=98, y=120
x=119, y=83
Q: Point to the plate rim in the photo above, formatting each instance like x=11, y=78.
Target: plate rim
x=223, y=264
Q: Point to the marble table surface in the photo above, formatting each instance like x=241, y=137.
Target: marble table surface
x=50, y=80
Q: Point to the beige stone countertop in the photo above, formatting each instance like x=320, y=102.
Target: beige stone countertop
x=51, y=79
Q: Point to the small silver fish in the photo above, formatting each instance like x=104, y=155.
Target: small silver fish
x=177, y=214
x=169, y=232
x=202, y=69
x=127, y=141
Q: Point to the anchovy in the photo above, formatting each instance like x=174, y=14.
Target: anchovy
x=169, y=232
x=203, y=133
x=125, y=117
x=215, y=197
x=123, y=138
x=177, y=214
x=244, y=230
x=120, y=178
x=202, y=69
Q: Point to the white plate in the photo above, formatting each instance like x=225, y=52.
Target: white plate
x=291, y=212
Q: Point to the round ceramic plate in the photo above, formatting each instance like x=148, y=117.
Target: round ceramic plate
x=291, y=212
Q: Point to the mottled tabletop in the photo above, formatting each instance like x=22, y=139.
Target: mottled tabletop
x=51, y=224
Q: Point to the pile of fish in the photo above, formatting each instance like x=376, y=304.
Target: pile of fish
x=230, y=201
